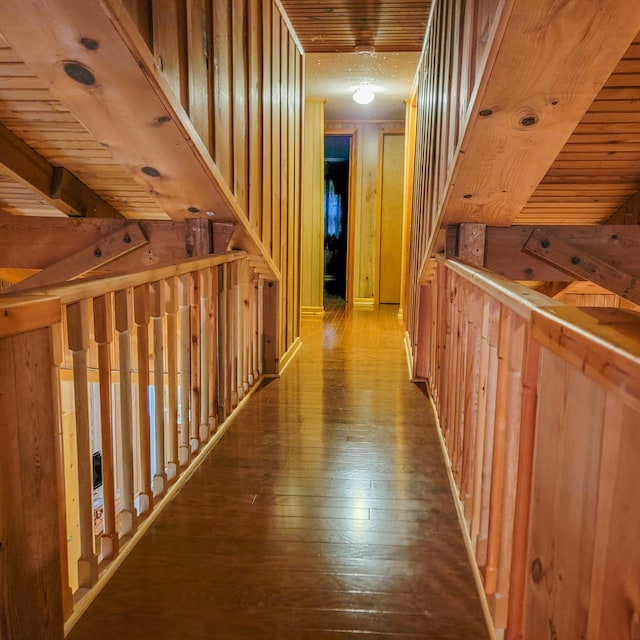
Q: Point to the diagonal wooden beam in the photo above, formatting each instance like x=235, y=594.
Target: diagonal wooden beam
x=107, y=78
x=551, y=248
x=617, y=245
x=28, y=242
x=55, y=184
x=534, y=88
x=87, y=259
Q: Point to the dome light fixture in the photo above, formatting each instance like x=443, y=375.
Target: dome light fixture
x=364, y=95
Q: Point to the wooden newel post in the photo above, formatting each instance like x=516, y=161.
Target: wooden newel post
x=32, y=605
x=78, y=334
x=271, y=336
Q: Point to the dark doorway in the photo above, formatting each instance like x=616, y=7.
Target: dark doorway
x=336, y=213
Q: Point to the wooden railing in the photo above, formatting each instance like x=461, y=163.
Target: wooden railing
x=146, y=368
x=539, y=409
x=458, y=40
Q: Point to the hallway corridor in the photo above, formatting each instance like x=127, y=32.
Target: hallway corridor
x=323, y=512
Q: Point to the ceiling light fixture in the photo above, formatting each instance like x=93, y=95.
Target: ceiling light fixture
x=364, y=95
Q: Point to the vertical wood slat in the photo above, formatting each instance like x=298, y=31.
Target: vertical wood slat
x=204, y=286
x=170, y=45
x=184, y=349
x=171, y=430
x=213, y=350
x=233, y=333
x=490, y=409
x=223, y=345
x=222, y=89
x=141, y=318
x=195, y=344
x=260, y=335
x=512, y=443
x=499, y=451
x=103, y=332
x=239, y=45
x=255, y=329
x=255, y=158
x=267, y=114
x=124, y=326
x=199, y=43
x=157, y=309
x=276, y=106
x=523, y=492
x=78, y=337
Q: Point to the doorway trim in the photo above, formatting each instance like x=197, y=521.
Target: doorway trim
x=351, y=133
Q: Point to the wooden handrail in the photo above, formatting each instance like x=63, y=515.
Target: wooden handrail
x=69, y=292
x=21, y=314
x=604, y=343
x=519, y=298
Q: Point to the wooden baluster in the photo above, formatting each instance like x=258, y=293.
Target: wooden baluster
x=240, y=328
x=171, y=431
x=481, y=415
x=260, y=336
x=78, y=335
x=233, y=329
x=523, y=491
x=490, y=410
x=223, y=347
x=205, y=335
x=471, y=407
x=124, y=325
x=103, y=331
x=213, y=350
x=184, y=310
x=517, y=347
x=157, y=313
x=246, y=317
x=57, y=344
x=195, y=345
x=141, y=318
x=255, y=331
x=499, y=447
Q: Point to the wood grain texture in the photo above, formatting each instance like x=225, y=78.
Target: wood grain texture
x=31, y=602
x=324, y=512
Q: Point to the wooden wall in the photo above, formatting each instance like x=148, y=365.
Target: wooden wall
x=238, y=72
x=365, y=164
x=538, y=404
x=313, y=207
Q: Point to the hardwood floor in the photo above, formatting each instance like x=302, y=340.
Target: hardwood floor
x=323, y=513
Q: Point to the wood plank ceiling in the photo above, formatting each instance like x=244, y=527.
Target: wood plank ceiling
x=30, y=110
x=598, y=170
x=342, y=25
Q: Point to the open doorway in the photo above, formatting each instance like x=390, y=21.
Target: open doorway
x=337, y=161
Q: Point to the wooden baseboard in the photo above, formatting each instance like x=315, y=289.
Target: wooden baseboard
x=363, y=302
x=312, y=311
